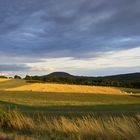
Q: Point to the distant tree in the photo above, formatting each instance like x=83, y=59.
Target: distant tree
x=27, y=77
x=3, y=76
x=17, y=77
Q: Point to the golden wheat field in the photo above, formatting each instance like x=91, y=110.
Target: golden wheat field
x=40, y=87
x=4, y=79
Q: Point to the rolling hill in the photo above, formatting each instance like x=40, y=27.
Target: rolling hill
x=131, y=80
x=59, y=74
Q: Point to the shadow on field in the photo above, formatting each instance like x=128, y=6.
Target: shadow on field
x=12, y=83
x=136, y=95
x=73, y=109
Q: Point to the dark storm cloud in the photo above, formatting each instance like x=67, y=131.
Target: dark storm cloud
x=13, y=67
x=65, y=28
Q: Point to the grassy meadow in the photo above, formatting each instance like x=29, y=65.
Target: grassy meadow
x=57, y=112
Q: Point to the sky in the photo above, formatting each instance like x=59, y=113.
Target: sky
x=81, y=37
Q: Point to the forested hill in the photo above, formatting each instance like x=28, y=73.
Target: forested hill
x=59, y=74
x=131, y=76
x=124, y=80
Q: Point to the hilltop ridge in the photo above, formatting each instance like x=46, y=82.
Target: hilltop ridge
x=59, y=74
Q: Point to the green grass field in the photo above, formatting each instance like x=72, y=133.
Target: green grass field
x=28, y=101
x=12, y=83
x=68, y=102
x=70, y=111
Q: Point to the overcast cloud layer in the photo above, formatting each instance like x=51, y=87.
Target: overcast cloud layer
x=36, y=33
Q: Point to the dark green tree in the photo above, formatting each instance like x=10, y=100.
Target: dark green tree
x=17, y=77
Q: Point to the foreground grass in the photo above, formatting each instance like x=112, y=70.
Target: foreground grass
x=15, y=125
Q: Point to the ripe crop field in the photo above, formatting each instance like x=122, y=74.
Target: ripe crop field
x=67, y=88
x=4, y=79
x=57, y=111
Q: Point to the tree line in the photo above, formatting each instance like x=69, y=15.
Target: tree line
x=125, y=80
x=79, y=80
